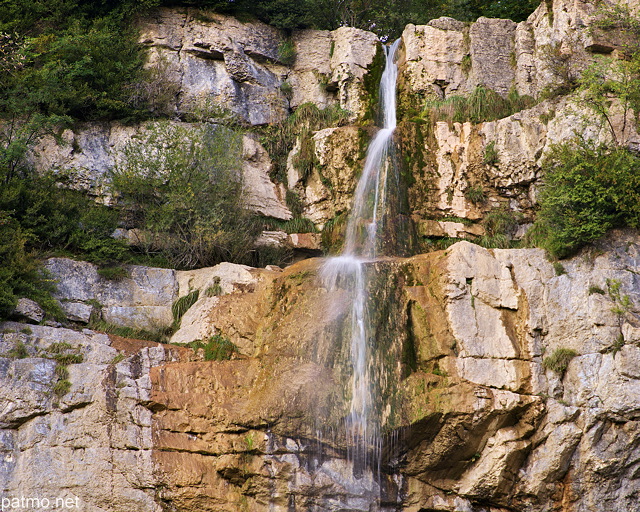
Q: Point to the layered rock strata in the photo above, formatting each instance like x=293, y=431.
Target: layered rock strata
x=477, y=416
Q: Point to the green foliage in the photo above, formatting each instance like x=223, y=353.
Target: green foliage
x=61, y=371
x=295, y=225
x=279, y=139
x=182, y=305
x=490, y=154
x=20, y=272
x=115, y=273
x=333, y=233
x=481, y=105
x=217, y=348
x=587, y=190
x=559, y=360
x=64, y=353
x=558, y=268
x=622, y=303
x=159, y=336
x=607, y=79
x=475, y=194
x=182, y=185
x=19, y=351
x=287, y=52
x=215, y=289
x=56, y=218
x=70, y=57
x=118, y=358
x=596, y=289
x=61, y=387
x=499, y=226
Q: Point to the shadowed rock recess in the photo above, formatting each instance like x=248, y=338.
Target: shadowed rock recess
x=504, y=382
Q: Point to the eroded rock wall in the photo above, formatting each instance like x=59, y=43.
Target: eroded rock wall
x=474, y=419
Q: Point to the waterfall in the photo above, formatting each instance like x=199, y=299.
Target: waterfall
x=364, y=241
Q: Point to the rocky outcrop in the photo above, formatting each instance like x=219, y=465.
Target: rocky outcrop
x=478, y=415
x=549, y=49
x=90, y=442
x=483, y=420
x=83, y=159
x=144, y=298
x=216, y=64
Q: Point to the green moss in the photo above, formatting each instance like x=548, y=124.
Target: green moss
x=371, y=84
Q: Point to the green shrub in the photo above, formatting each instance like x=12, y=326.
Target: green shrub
x=475, y=194
x=295, y=225
x=19, y=351
x=20, y=271
x=499, y=226
x=61, y=387
x=215, y=289
x=64, y=353
x=279, y=139
x=559, y=360
x=490, y=154
x=587, y=190
x=558, y=268
x=182, y=185
x=287, y=52
x=596, y=289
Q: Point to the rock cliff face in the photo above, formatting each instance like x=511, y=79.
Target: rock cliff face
x=220, y=70
x=512, y=384
x=480, y=421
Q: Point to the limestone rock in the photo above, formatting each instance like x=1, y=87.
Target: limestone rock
x=94, y=443
x=217, y=62
x=432, y=58
x=143, y=300
x=492, y=53
x=29, y=309
x=261, y=195
x=340, y=153
x=88, y=154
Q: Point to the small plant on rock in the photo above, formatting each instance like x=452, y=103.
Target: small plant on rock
x=558, y=362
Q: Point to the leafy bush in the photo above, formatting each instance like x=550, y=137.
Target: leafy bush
x=587, y=190
x=475, y=194
x=20, y=273
x=559, y=360
x=183, y=186
x=287, y=52
x=78, y=58
x=19, y=351
x=490, y=154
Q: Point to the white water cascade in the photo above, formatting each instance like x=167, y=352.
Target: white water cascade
x=363, y=242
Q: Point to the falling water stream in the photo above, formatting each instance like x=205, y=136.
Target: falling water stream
x=364, y=242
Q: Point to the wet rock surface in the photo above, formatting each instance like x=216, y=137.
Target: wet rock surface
x=475, y=420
